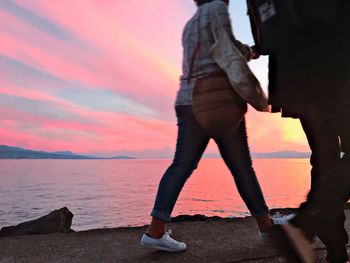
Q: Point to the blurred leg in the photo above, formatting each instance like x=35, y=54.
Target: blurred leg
x=323, y=212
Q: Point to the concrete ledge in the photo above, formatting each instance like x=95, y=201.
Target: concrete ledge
x=208, y=239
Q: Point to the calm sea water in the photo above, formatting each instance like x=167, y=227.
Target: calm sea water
x=114, y=193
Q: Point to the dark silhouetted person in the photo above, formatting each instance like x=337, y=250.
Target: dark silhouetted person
x=309, y=79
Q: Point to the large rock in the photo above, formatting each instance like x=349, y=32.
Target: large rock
x=57, y=221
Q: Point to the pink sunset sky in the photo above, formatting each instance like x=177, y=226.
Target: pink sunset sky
x=101, y=76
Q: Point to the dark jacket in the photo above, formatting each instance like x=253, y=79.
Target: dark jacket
x=314, y=56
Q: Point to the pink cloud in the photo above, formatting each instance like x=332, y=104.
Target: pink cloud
x=132, y=48
x=123, y=45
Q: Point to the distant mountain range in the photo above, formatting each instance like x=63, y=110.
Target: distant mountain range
x=271, y=155
x=282, y=154
x=8, y=152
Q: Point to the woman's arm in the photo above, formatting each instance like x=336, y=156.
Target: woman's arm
x=221, y=10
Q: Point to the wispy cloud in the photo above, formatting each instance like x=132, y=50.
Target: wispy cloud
x=33, y=19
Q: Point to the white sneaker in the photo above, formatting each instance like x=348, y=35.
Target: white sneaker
x=279, y=219
x=166, y=243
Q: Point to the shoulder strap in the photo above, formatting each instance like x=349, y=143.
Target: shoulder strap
x=197, y=47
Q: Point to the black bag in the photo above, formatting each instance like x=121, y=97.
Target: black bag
x=277, y=22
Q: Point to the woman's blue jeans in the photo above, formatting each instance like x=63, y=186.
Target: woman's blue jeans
x=191, y=143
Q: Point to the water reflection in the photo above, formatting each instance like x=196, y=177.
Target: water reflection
x=112, y=193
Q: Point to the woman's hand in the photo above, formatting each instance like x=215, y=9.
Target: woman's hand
x=268, y=109
x=254, y=53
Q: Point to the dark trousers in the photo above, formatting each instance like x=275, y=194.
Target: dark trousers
x=323, y=212
x=191, y=142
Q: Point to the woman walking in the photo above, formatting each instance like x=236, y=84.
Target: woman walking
x=211, y=72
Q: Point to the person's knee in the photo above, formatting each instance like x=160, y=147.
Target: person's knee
x=184, y=165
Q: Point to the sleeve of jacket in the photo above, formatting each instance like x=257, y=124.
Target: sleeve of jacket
x=231, y=60
x=220, y=9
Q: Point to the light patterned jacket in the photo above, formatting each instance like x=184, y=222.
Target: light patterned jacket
x=218, y=50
